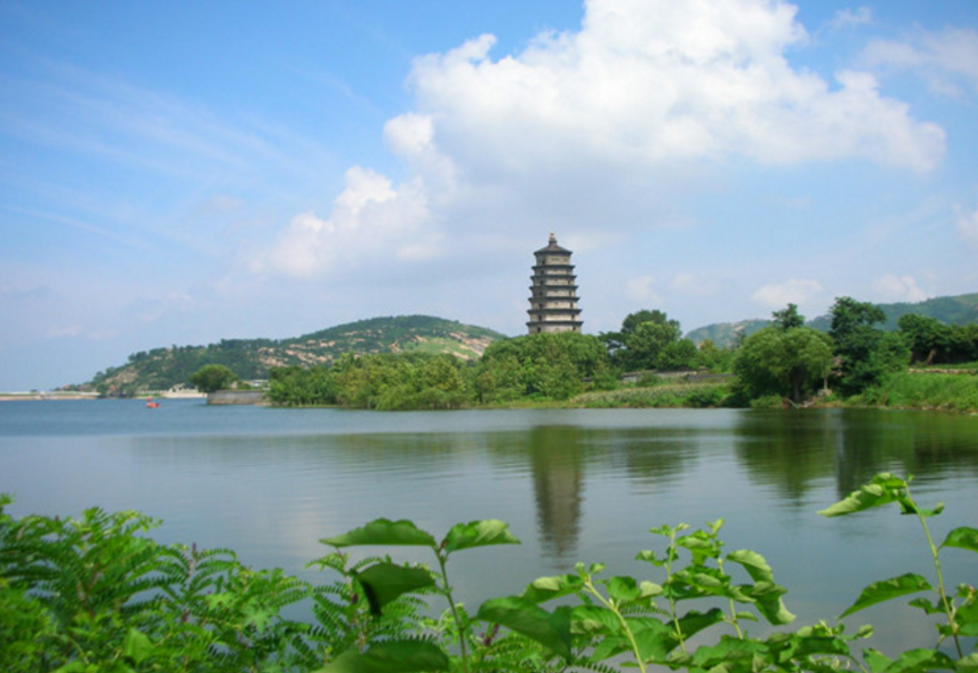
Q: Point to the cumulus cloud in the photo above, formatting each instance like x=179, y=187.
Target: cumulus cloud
x=640, y=289
x=968, y=227
x=848, y=18
x=893, y=288
x=946, y=60
x=648, y=82
x=793, y=291
x=371, y=219
x=581, y=122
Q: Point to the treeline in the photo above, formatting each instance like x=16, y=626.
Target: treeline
x=787, y=360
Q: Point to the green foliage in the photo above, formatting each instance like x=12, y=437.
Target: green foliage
x=661, y=395
x=868, y=355
x=959, y=609
x=712, y=358
x=382, y=381
x=788, y=318
x=649, y=340
x=94, y=594
x=163, y=368
x=923, y=390
x=790, y=362
x=550, y=366
x=211, y=378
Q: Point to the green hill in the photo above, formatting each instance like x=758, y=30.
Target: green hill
x=727, y=333
x=165, y=368
x=957, y=310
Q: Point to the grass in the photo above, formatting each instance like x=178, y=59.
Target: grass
x=923, y=390
x=692, y=395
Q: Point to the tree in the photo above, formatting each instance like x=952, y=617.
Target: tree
x=211, y=378
x=788, y=318
x=867, y=354
x=929, y=340
x=649, y=340
x=792, y=363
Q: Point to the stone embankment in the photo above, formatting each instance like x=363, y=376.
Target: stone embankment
x=226, y=397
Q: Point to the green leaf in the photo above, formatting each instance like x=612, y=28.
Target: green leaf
x=927, y=606
x=878, y=592
x=967, y=618
x=693, y=621
x=622, y=589
x=919, y=661
x=755, y=564
x=384, y=582
x=882, y=490
x=548, y=588
x=383, y=532
x=962, y=538
x=878, y=662
x=136, y=646
x=655, y=639
x=478, y=534
x=968, y=664
x=594, y=619
x=551, y=630
x=768, y=601
x=391, y=656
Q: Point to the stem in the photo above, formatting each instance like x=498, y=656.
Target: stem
x=608, y=603
x=948, y=610
x=733, y=607
x=463, y=630
x=670, y=555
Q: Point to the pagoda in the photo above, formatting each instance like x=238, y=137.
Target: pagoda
x=553, y=294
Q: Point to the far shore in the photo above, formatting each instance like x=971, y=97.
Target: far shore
x=76, y=395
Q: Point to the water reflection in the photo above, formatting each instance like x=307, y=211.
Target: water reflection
x=792, y=452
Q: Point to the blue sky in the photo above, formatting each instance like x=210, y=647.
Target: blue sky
x=179, y=173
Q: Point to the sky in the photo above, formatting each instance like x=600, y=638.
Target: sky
x=181, y=173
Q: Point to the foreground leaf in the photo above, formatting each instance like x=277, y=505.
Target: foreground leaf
x=882, y=490
x=478, y=534
x=549, y=588
x=384, y=582
x=383, y=532
x=549, y=629
x=879, y=592
x=962, y=538
x=391, y=656
x=913, y=661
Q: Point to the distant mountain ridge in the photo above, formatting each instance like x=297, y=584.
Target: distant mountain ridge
x=956, y=310
x=165, y=368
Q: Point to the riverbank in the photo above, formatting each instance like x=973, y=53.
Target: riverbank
x=35, y=395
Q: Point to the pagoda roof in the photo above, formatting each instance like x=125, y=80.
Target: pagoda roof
x=552, y=247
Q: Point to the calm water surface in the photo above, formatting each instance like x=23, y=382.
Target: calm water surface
x=573, y=484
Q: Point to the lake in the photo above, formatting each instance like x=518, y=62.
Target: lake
x=575, y=485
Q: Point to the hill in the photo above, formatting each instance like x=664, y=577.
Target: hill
x=957, y=310
x=165, y=368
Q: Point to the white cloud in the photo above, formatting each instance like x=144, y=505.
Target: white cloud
x=847, y=18
x=645, y=82
x=577, y=127
x=370, y=219
x=893, y=288
x=968, y=227
x=946, y=60
x=691, y=284
x=793, y=291
x=640, y=289
x=64, y=331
